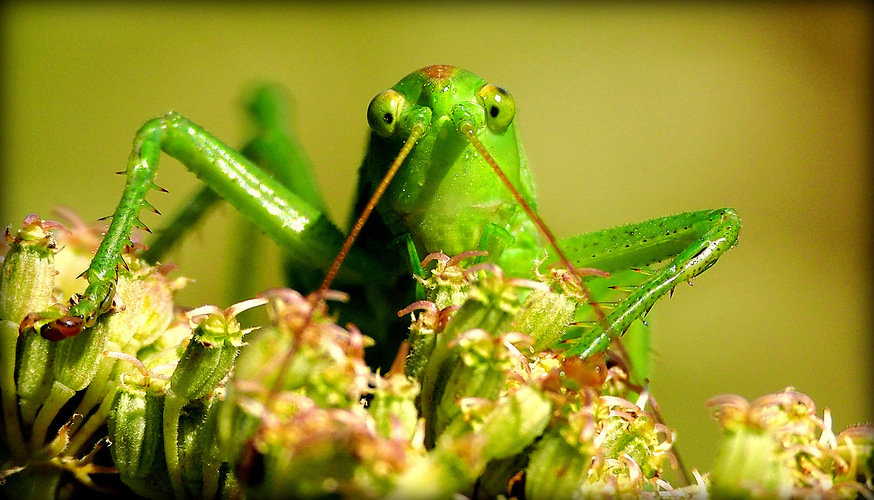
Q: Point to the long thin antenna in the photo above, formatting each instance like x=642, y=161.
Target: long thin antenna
x=466, y=128
x=417, y=131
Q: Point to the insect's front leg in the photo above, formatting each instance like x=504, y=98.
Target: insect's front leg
x=305, y=232
x=661, y=252
x=273, y=148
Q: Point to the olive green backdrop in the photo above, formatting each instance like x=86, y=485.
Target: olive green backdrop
x=628, y=113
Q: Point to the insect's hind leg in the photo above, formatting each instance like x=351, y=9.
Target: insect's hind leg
x=276, y=149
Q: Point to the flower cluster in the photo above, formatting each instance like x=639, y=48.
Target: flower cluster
x=776, y=446
x=480, y=402
x=57, y=392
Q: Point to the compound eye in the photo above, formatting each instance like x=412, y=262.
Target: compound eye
x=384, y=112
x=499, y=105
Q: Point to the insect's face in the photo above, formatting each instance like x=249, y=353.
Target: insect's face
x=446, y=193
x=444, y=90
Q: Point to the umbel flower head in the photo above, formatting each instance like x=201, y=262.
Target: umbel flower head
x=57, y=389
x=776, y=446
x=481, y=403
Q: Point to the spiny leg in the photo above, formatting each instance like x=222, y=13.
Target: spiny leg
x=645, y=261
x=194, y=210
x=302, y=229
x=274, y=149
x=680, y=247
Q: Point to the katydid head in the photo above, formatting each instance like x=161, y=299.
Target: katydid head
x=446, y=194
x=441, y=95
x=466, y=174
x=464, y=177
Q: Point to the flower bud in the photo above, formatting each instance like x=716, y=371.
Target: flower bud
x=447, y=283
x=76, y=358
x=855, y=445
x=27, y=278
x=326, y=453
x=544, y=317
x=555, y=468
x=199, y=450
x=206, y=361
x=35, y=375
x=28, y=273
x=606, y=446
x=491, y=305
x=147, y=296
x=137, y=440
x=515, y=421
x=480, y=366
x=214, y=344
x=393, y=406
x=304, y=360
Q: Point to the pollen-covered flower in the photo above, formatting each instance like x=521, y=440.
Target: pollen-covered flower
x=447, y=283
x=777, y=446
x=607, y=447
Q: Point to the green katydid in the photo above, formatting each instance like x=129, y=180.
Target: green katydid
x=442, y=129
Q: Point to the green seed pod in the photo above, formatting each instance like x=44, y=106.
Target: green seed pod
x=198, y=449
x=14, y=437
x=632, y=433
x=481, y=364
x=751, y=454
x=35, y=374
x=206, y=361
x=856, y=446
x=447, y=283
x=168, y=347
x=137, y=443
x=516, y=420
x=555, y=468
x=453, y=465
x=28, y=273
x=492, y=304
x=76, y=358
x=602, y=446
x=424, y=330
x=148, y=308
x=208, y=358
x=489, y=431
x=749, y=457
x=306, y=342
x=777, y=446
x=27, y=277
x=393, y=407
x=326, y=453
x=545, y=316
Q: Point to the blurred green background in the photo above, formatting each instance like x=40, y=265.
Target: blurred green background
x=628, y=113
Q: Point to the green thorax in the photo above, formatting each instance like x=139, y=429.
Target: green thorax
x=445, y=194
